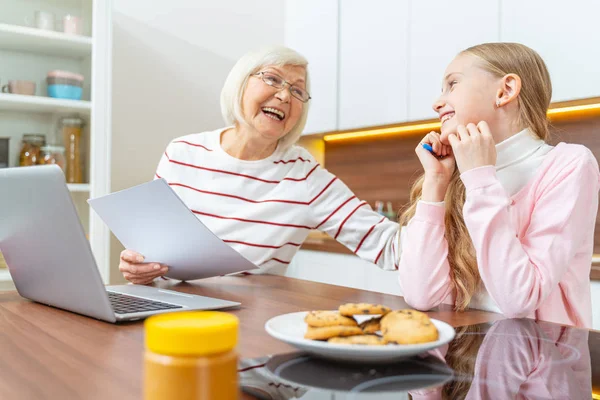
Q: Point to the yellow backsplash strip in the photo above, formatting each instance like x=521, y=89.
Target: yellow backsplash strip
x=567, y=110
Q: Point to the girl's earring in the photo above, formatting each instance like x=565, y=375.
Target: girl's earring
x=498, y=103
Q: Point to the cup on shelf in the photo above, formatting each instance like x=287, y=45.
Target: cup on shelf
x=72, y=24
x=64, y=85
x=19, y=87
x=42, y=20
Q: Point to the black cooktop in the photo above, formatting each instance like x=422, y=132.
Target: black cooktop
x=509, y=359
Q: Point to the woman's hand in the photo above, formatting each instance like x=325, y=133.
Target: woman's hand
x=135, y=270
x=438, y=167
x=473, y=146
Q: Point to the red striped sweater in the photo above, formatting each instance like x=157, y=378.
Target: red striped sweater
x=265, y=209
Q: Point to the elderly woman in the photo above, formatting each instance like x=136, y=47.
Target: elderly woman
x=253, y=188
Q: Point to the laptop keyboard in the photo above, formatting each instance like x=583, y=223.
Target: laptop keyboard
x=124, y=304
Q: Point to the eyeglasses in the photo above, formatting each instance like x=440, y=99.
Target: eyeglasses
x=279, y=83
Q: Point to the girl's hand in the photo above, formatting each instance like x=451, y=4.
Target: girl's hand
x=473, y=146
x=438, y=167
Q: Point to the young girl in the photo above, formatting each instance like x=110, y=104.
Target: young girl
x=500, y=220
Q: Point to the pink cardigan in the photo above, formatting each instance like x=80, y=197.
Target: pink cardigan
x=533, y=249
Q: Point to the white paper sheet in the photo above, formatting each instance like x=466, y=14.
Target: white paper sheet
x=152, y=220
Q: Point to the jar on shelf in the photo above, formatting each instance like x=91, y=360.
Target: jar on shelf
x=71, y=129
x=52, y=155
x=30, y=149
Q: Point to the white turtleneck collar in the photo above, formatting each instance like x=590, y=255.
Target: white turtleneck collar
x=517, y=147
x=518, y=159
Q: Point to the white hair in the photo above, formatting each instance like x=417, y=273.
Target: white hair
x=250, y=63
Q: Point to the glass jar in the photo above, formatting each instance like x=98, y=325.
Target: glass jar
x=191, y=356
x=52, y=155
x=30, y=149
x=71, y=134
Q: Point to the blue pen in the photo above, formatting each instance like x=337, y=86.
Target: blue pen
x=428, y=148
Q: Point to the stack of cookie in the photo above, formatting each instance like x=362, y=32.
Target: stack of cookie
x=341, y=327
x=386, y=326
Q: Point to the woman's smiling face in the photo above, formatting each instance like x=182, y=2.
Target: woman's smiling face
x=270, y=111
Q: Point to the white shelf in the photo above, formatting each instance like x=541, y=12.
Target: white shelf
x=5, y=275
x=28, y=53
x=22, y=38
x=19, y=102
x=78, y=187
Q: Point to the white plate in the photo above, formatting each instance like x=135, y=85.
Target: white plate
x=290, y=328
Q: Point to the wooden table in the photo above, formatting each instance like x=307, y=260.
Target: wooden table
x=46, y=353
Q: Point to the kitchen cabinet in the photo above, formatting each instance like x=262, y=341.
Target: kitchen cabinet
x=383, y=62
x=567, y=37
x=373, y=47
x=311, y=28
x=340, y=269
x=439, y=30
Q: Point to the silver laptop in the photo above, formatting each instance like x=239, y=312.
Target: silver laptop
x=51, y=261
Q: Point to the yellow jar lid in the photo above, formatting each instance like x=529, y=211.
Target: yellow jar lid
x=191, y=333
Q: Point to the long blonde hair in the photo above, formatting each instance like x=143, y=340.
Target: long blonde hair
x=461, y=357
x=499, y=59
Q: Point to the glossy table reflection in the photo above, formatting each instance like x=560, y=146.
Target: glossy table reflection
x=506, y=359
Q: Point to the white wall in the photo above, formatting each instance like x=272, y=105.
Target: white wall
x=170, y=60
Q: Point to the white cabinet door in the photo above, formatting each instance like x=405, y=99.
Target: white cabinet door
x=565, y=34
x=341, y=270
x=311, y=28
x=439, y=30
x=373, y=62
